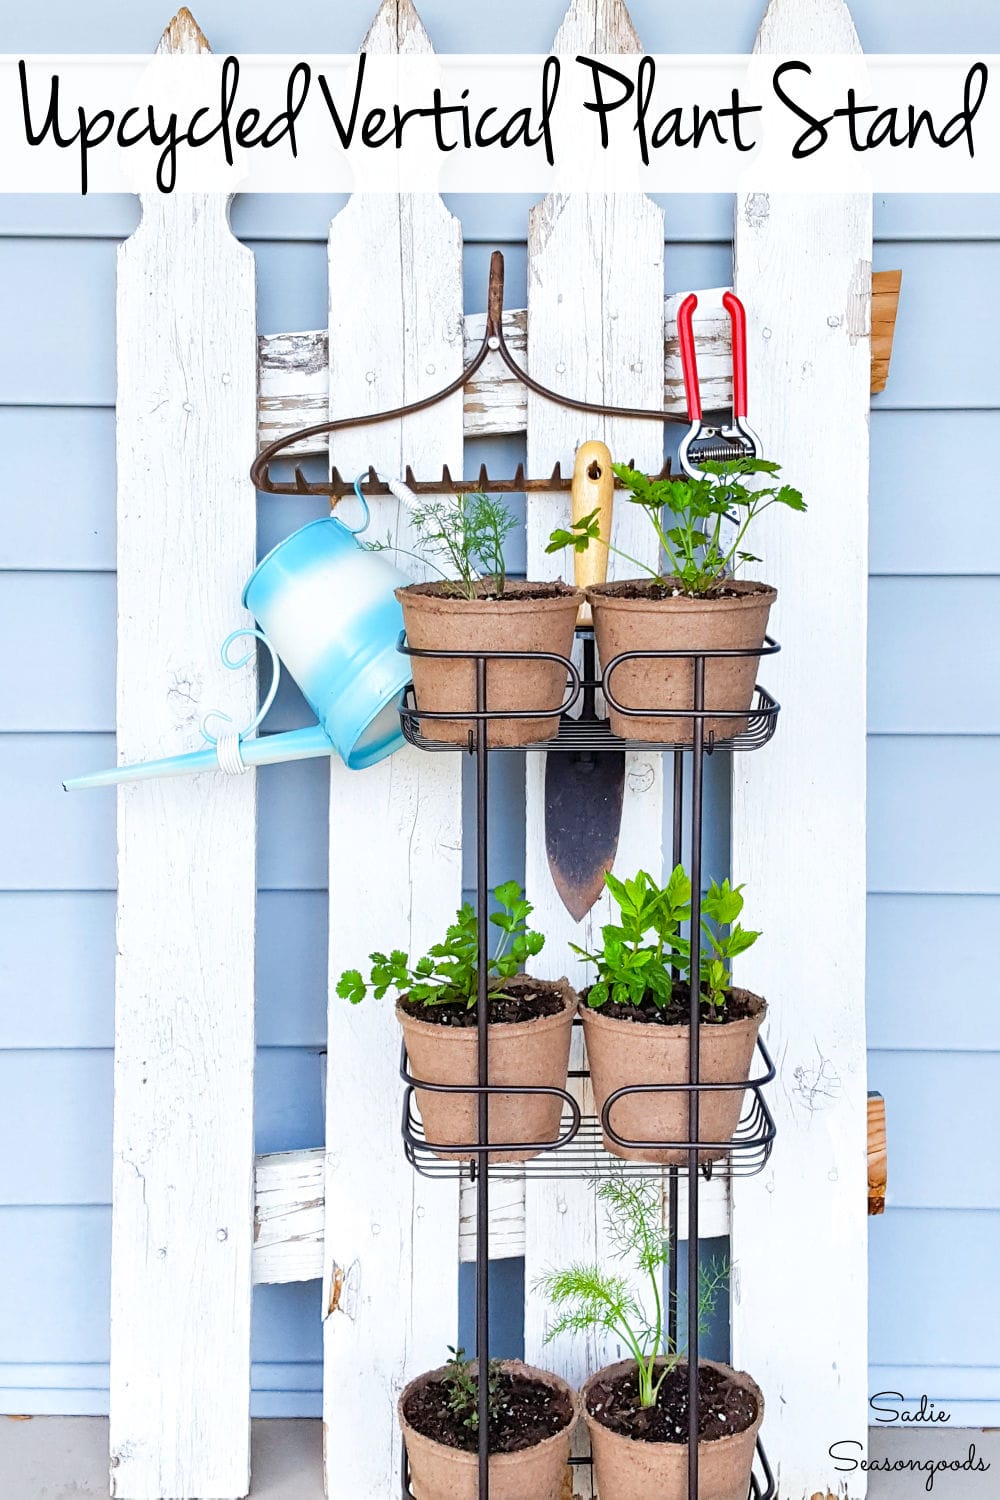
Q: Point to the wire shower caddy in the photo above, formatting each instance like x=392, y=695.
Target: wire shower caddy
x=578, y=1149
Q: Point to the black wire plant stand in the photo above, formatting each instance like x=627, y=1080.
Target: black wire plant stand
x=578, y=1150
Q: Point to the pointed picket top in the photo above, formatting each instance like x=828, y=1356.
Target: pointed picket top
x=595, y=26
x=396, y=28
x=819, y=25
x=183, y=36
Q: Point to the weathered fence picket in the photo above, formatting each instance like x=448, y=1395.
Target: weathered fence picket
x=803, y=269
x=182, y=1224
x=390, y=1297
x=595, y=308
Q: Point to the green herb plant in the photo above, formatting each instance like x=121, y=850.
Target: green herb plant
x=720, y=909
x=699, y=558
x=447, y=974
x=462, y=1384
x=467, y=533
x=644, y=953
x=588, y=1297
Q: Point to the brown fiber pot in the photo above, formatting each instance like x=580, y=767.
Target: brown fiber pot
x=681, y=625
x=523, y=621
x=441, y=1473
x=629, y=1052
x=531, y=1053
x=626, y=1468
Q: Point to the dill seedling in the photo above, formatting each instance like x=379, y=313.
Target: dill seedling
x=587, y=1297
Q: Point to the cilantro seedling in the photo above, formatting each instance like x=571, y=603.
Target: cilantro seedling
x=689, y=519
x=447, y=974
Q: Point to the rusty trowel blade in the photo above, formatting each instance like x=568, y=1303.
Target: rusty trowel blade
x=583, y=813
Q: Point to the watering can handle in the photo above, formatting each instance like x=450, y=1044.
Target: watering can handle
x=234, y=666
x=366, y=513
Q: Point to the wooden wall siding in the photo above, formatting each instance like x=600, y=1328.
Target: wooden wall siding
x=800, y=1313
x=390, y=1288
x=184, y=1043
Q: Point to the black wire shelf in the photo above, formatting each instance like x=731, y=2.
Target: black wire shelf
x=753, y=727
x=595, y=735
x=578, y=1151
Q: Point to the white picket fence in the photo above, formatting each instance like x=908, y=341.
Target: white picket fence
x=196, y=1220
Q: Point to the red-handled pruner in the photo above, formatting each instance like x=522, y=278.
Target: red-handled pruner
x=703, y=443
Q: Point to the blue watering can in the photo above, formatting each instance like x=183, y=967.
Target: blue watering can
x=327, y=608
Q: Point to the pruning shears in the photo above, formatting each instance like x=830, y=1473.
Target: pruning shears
x=703, y=443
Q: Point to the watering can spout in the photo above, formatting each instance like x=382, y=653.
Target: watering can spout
x=329, y=606
x=295, y=744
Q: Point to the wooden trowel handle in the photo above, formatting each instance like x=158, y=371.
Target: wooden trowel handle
x=593, y=489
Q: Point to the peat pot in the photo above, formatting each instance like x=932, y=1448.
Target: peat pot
x=736, y=621
x=627, y=1467
x=530, y=1053
x=622, y=1052
x=438, y=1472
x=531, y=617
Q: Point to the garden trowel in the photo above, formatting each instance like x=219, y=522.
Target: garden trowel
x=584, y=788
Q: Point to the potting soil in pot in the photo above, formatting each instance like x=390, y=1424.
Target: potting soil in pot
x=525, y=1412
x=519, y=1000
x=723, y=1407
x=739, y=1005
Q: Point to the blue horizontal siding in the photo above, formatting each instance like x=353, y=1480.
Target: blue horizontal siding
x=934, y=656
x=942, y=354
x=59, y=487
x=930, y=1270
x=58, y=1106
x=57, y=968
x=938, y=1105
x=931, y=514
x=500, y=219
x=517, y=26
x=59, y=1260
x=66, y=841
x=925, y=978
x=947, y=328
x=922, y=679
x=57, y=971
x=63, y=517
x=933, y=815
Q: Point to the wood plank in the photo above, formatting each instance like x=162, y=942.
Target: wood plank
x=391, y=1275
x=294, y=378
x=595, y=314
x=506, y=1219
x=885, y=303
x=288, y=1216
x=878, y=1157
x=182, y=1237
x=798, y=815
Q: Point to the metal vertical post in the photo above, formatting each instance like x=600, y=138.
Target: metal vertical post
x=693, y=1268
x=673, y=1183
x=483, y=1078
